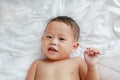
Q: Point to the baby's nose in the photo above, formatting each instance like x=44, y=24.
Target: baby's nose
x=54, y=42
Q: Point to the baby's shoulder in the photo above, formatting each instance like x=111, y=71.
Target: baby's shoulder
x=80, y=61
x=36, y=62
x=39, y=61
x=82, y=66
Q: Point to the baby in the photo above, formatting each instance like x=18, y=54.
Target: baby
x=59, y=41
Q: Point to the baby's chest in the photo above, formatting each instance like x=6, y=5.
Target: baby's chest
x=58, y=68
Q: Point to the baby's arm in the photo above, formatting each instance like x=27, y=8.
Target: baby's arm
x=32, y=71
x=91, y=57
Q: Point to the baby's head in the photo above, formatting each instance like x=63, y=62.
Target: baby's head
x=71, y=23
x=60, y=38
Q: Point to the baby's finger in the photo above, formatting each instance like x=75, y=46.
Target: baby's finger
x=87, y=50
x=96, y=53
x=94, y=50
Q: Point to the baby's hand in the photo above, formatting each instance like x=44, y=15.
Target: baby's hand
x=91, y=56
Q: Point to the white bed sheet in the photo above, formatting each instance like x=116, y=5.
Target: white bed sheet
x=22, y=24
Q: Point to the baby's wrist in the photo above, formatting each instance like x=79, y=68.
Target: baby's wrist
x=92, y=67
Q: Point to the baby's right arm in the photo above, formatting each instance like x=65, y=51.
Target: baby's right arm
x=32, y=71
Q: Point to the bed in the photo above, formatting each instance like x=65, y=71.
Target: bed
x=22, y=23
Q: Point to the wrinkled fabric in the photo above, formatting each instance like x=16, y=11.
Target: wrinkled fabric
x=22, y=24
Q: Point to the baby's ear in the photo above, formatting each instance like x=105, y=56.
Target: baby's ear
x=75, y=46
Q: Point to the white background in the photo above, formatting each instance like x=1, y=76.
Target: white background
x=22, y=24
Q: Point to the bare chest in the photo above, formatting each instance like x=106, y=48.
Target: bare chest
x=58, y=71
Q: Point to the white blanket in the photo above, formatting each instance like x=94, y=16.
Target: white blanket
x=22, y=24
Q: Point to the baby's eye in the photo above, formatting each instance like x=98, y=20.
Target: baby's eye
x=49, y=36
x=61, y=39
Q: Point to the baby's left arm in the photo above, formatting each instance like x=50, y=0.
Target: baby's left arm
x=91, y=57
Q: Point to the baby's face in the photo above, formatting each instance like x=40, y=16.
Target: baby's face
x=57, y=42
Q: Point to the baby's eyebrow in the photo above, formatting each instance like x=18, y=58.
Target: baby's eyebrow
x=49, y=32
x=59, y=34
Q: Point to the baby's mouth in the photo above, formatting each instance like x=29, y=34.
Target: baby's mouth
x=52, y=49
